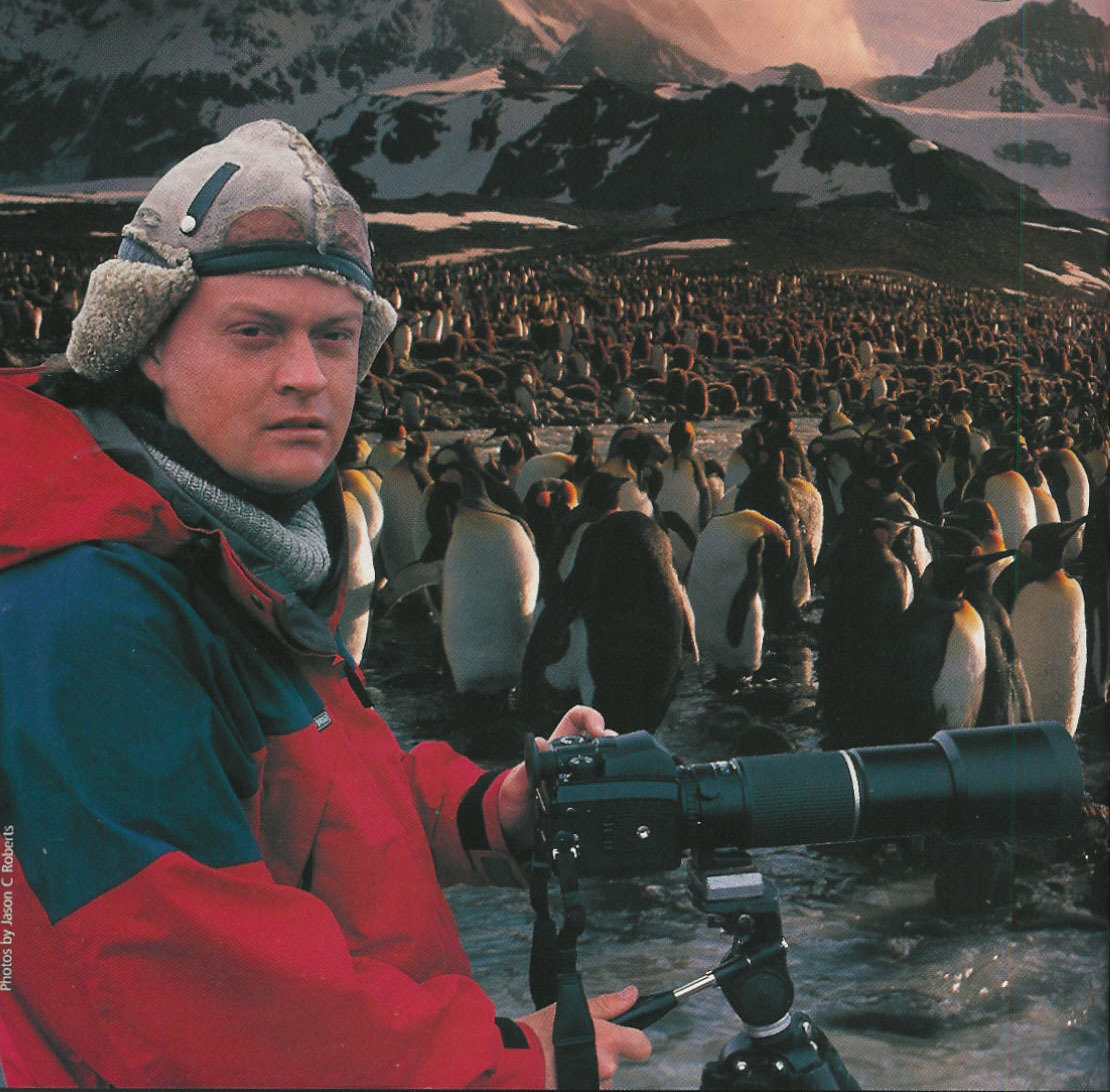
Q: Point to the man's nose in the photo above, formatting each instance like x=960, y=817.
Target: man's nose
x=299, y=369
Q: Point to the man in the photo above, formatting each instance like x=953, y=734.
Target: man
x=218, y=866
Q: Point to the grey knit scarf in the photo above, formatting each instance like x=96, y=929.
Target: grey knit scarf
x=298, y=547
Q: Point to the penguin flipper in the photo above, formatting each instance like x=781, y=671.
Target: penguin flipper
x=413, y=577
x=742, y=598
x=1007, y=584
x=672, y=521
x=689, y=635
x=548, y=644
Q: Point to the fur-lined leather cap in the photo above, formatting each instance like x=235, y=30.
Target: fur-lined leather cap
x=259, y=201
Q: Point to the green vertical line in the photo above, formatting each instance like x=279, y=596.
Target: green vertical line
x=1019, y=375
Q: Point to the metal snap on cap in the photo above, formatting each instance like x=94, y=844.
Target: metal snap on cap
x=188, y=225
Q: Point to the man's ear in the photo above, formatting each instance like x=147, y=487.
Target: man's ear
x=150, y=364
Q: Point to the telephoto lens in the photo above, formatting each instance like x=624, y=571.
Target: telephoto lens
x=629, y=808
x=969, y=783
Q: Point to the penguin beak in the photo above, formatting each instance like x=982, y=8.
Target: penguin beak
x=990, y=559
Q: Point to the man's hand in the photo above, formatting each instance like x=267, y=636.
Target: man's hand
x=514, y=802
x=612, y=1042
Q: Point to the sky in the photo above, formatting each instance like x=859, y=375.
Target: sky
x=848, y=39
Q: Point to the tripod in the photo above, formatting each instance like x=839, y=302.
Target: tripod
x=777, y=1048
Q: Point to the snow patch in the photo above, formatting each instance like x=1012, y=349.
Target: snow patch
x=443, y=221
x=551, y=34
x=455, y=256
x=680, y=245
x=1074, y=277
x=105, y=190
x=485, y=79
x=678, y=91
x=792, y=176
x=1050, y=227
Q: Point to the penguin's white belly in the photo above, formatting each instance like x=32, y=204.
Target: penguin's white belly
x=979, y=446
x=958, y=691
x=710, y=621
x=1051, y=639
x=679, y=494
x=727, y=501
x=736, y=472
x=946, y=480
x=1047, y=511
x=718, y=568
x=839, y=470
x=402, y=506
x=354, y=622
x=632, y=498
x=553, y=464
x=570, y=551
x=810, y=509
x=1079, y=501
x=572, y=672
x=491, y=579
x=920, y=554
x=1012, y=500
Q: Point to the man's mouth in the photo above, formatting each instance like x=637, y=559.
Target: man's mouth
x=297, y=424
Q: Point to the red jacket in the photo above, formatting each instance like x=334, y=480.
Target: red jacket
x=217, y=867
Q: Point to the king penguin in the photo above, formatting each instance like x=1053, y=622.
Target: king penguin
x=1005, y=695
x=725, y=585
x=354, y=621
x=869, y=588
x=941, y=656
x=402, y=497
x=684, y=503
x=634, y=455
x=491, y=577
x=1069, y=484
x=359, y=485
x=1047, y=616
x=390, y=449
x=766, y=490
x=625, y=619
x=1007, y=492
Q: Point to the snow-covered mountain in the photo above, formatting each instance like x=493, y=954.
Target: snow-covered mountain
x=607, y=102
x=1044, y=58
x=1027, y=94
x=607, y=144
x=95, y=88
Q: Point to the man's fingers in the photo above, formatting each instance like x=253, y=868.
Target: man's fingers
x=606, y=1006
x=582, y=720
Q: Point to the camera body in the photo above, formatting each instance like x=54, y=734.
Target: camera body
x=618, y=797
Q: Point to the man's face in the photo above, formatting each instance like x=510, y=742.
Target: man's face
x=261, y=372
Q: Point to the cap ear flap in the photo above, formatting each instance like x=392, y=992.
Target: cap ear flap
x=125, y=305
x=379, y=319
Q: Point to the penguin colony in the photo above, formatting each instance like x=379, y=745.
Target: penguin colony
x=949, y=518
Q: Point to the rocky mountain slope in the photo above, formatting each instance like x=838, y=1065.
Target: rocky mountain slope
x=1051, y=57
